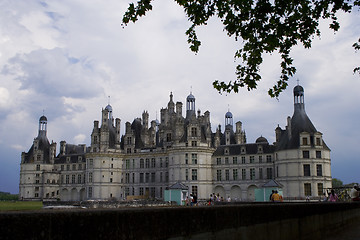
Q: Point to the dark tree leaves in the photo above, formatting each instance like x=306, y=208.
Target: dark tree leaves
x=264, y=26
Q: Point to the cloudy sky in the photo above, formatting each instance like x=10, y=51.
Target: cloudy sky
x=64, y=58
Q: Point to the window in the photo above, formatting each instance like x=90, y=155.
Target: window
x=168, y=137
x=62, y=179
x=243, y=174
x=152, y=192
x=73, y=167
x=79, y=178
x=147, y=163
x=218, y=161
x=319, y=170
x=235, y=174
x=161, y=176
x=193, y=143
x=95, y=139
x=306, y=169
x=194, y=190
x=128, y=150
x=90, y=192
x=153, y=177
x=318, y=141
x=161, y=163
x=194, y=174
x=227, y=175
x=141, y=191
x=234, y=160
x=127, y=163
x=36, y=194
x=68, y=167
x=141, y=163
x=111, y=180
x=252, y=173
x=243, y=160
x=73, y=178
x=307, y=189
x=218, y=175
x=320, y=187
x=90, y=177
x=112, y=165
x=186, y=158
x=269, y=173
x=38, y=167
x=37, y=181
x=306, y=154
x=166, y=176
x=153, y=164
x=91, y=163
x=62, y=168
x=260, y=173
x=128, y=140
x=260, y=159
x=147, y=177
x=193, y=132
x=318, y=154
x=67, y=179
x=127, y=177
x=166, y=162
x=304, y=141
x=187, y=174
x=226, y=160
x=80, y=167
x=252, y=159
x=161, y=192
x=268, y=158
x=194, y=158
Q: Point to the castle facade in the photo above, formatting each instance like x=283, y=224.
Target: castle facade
x=150, y=157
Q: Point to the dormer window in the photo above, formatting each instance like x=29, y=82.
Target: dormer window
x=243, y=150
x=226, y=152
x=304, y=141
x=318, y=141
x=194, y=132
x=168, y=137
x=67, y=159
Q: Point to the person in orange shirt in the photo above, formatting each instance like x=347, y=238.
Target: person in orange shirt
x=276, y=197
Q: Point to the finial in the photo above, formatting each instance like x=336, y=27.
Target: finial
x=109, y=100
x=190, y=89
x=298, y=81
x=228, y=107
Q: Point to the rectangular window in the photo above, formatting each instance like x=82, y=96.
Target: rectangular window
x=268, y=158
x=218, y=161
x=141, y=163
x=194, y=132
x=38, y=167
x=186, y=174
x=260, y=159
x=320, y=189
x=111, y=180
x=243, y=174
x=193, y=143
x=166, y=162
x=80, y=166
x=186, y=158
x=304, y=141
x=127, y=191
x=127, y=177
x=91, y=163
x=226, y=160
x=218, y=175
x=62, y=178
x=161, y=162
x=62, y=168
x=260, y=173
x=127, y=163
x=307, y=189
x=227, y=175
x=90, y=192
x=252, y=159
x=306, y=169
x=235, y=174
x=153, y=177
x=243, y=160
x=194, y=190
x=252, y=173
x=269, y=173
x=67, y=179
x=194, y=158
x=133, y=178
x=167, y=176
x=161, y=176
x=318, y=154
x=128, y=140
x=141, y=191
x=234, y=160
x=74, y=167
x=147, y=163
x=153, y=164
x=90, y=177
x=79, y=179
x=306, y=154
x=161, y=192
x=319, y=170
x=168, y=137
x=194, y=174
x=318, y=141
x=147, y=177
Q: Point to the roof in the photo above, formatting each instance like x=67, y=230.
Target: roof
x=272, y=183
x=179, y=185
x=250, y=148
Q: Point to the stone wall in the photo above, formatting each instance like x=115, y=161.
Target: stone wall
x=249, y=221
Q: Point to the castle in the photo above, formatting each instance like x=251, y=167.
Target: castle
x=146, y=160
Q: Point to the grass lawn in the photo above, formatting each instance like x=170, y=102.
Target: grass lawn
x=20, y=205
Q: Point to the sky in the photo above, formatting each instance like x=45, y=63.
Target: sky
x=65, y=58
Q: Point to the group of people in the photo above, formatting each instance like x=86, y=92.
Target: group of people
x=191, y=201
x=275, y=196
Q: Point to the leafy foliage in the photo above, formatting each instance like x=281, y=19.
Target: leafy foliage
x=336, y=183
x=264, y=26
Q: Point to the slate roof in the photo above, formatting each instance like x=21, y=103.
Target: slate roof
x=250, y=148
x=44, y=146
x=179, y=185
